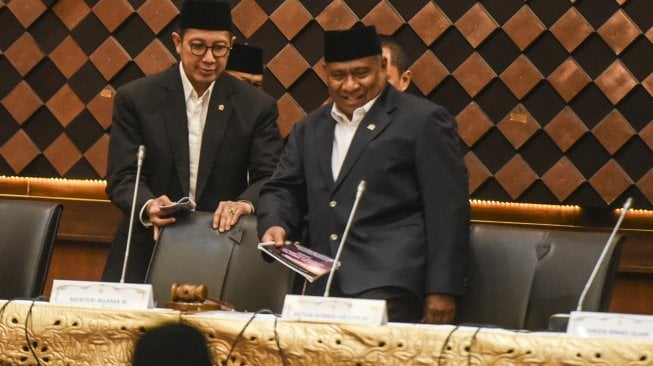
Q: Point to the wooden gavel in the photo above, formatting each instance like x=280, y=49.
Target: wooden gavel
x=193, y=297
x=187, y=292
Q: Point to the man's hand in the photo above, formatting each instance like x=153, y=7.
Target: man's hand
x=439, y=309
x=228, y=213
x=275, y=234
x=156, y=216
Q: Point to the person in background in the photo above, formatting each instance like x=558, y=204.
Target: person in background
x=246, y=63
x=206, y=135
x=396, y=63
x=409, y=239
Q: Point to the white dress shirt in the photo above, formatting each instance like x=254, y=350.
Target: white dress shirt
x=344, y=133
x=196, y=110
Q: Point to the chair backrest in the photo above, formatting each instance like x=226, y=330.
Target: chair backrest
x=563, y=272
x=28, y=230
x=229, y=264
x=501, y=269
x=518, y=277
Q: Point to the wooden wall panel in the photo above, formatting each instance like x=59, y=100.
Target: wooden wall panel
x=633, y=293
x=553, y=98
x=76, y=260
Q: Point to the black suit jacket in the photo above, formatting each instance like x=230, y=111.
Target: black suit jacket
x=240, y=148
x=411, y=229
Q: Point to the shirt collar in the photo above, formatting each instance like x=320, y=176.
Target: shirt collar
x=341, y=117
x=189, y=91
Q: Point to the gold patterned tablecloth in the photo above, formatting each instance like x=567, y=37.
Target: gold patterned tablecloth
x=71, y=336
x=67, y=336
x=395, y=344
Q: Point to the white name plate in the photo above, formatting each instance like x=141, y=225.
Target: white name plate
x=102, y=294
x=613, y=325
x=334, y=310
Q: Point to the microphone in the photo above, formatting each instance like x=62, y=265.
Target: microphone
x=359, y=194
x=140, y=156
x=604, y=253
x=559, y=322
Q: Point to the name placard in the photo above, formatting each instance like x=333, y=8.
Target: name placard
x=612, y=325
x=102, y=294
x=334, y=310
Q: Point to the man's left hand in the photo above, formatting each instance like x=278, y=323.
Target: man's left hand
x=439, y=309
x=228, y=213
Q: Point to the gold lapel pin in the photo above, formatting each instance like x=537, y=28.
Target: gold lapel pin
x=371, y=126
x=221, y=107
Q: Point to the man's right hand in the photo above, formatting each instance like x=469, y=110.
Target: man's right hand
x=156, y=216
x=275, y=234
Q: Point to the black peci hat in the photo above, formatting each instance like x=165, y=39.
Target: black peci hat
x=357, y=42
x=246, y=58
x=205, y=14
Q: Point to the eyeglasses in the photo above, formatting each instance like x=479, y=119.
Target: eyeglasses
x=199, y=49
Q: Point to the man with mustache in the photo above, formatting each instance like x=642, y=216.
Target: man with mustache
x=409, y=238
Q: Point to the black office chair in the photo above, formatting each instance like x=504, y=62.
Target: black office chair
x=501, y=269
x=28, y=230
x=518, y=277
x=561, y=275
x=229, y=264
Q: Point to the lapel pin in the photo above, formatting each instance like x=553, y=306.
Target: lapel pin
x=371, y=126
x=221, y=107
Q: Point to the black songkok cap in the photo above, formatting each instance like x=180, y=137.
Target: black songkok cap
x=357, y=42
x=245, y=58
x=205, y=14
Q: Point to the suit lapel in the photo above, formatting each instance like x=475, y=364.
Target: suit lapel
x=375, y=121
x=324, y=138
x=219, y=110
x=173, y=110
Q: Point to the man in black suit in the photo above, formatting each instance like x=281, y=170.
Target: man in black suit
x=207, y=135
x=409, y=239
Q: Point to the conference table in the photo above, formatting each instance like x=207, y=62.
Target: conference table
x=74, y=335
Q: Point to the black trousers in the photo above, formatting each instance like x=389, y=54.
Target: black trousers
x=403, y=305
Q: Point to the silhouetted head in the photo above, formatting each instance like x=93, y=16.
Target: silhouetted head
x=172, y=345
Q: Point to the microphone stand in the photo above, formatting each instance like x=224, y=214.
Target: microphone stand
x=109, y=294
x=601, y=259
x=359, y=194
x=139, y=163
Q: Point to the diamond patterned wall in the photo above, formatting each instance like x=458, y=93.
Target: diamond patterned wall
x=553, y=98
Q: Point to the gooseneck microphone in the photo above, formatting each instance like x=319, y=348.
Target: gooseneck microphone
x=603, y=255
x=139, y=163
x=359, y=194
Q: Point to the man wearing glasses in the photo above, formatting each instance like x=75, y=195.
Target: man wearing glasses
x=207, y=136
